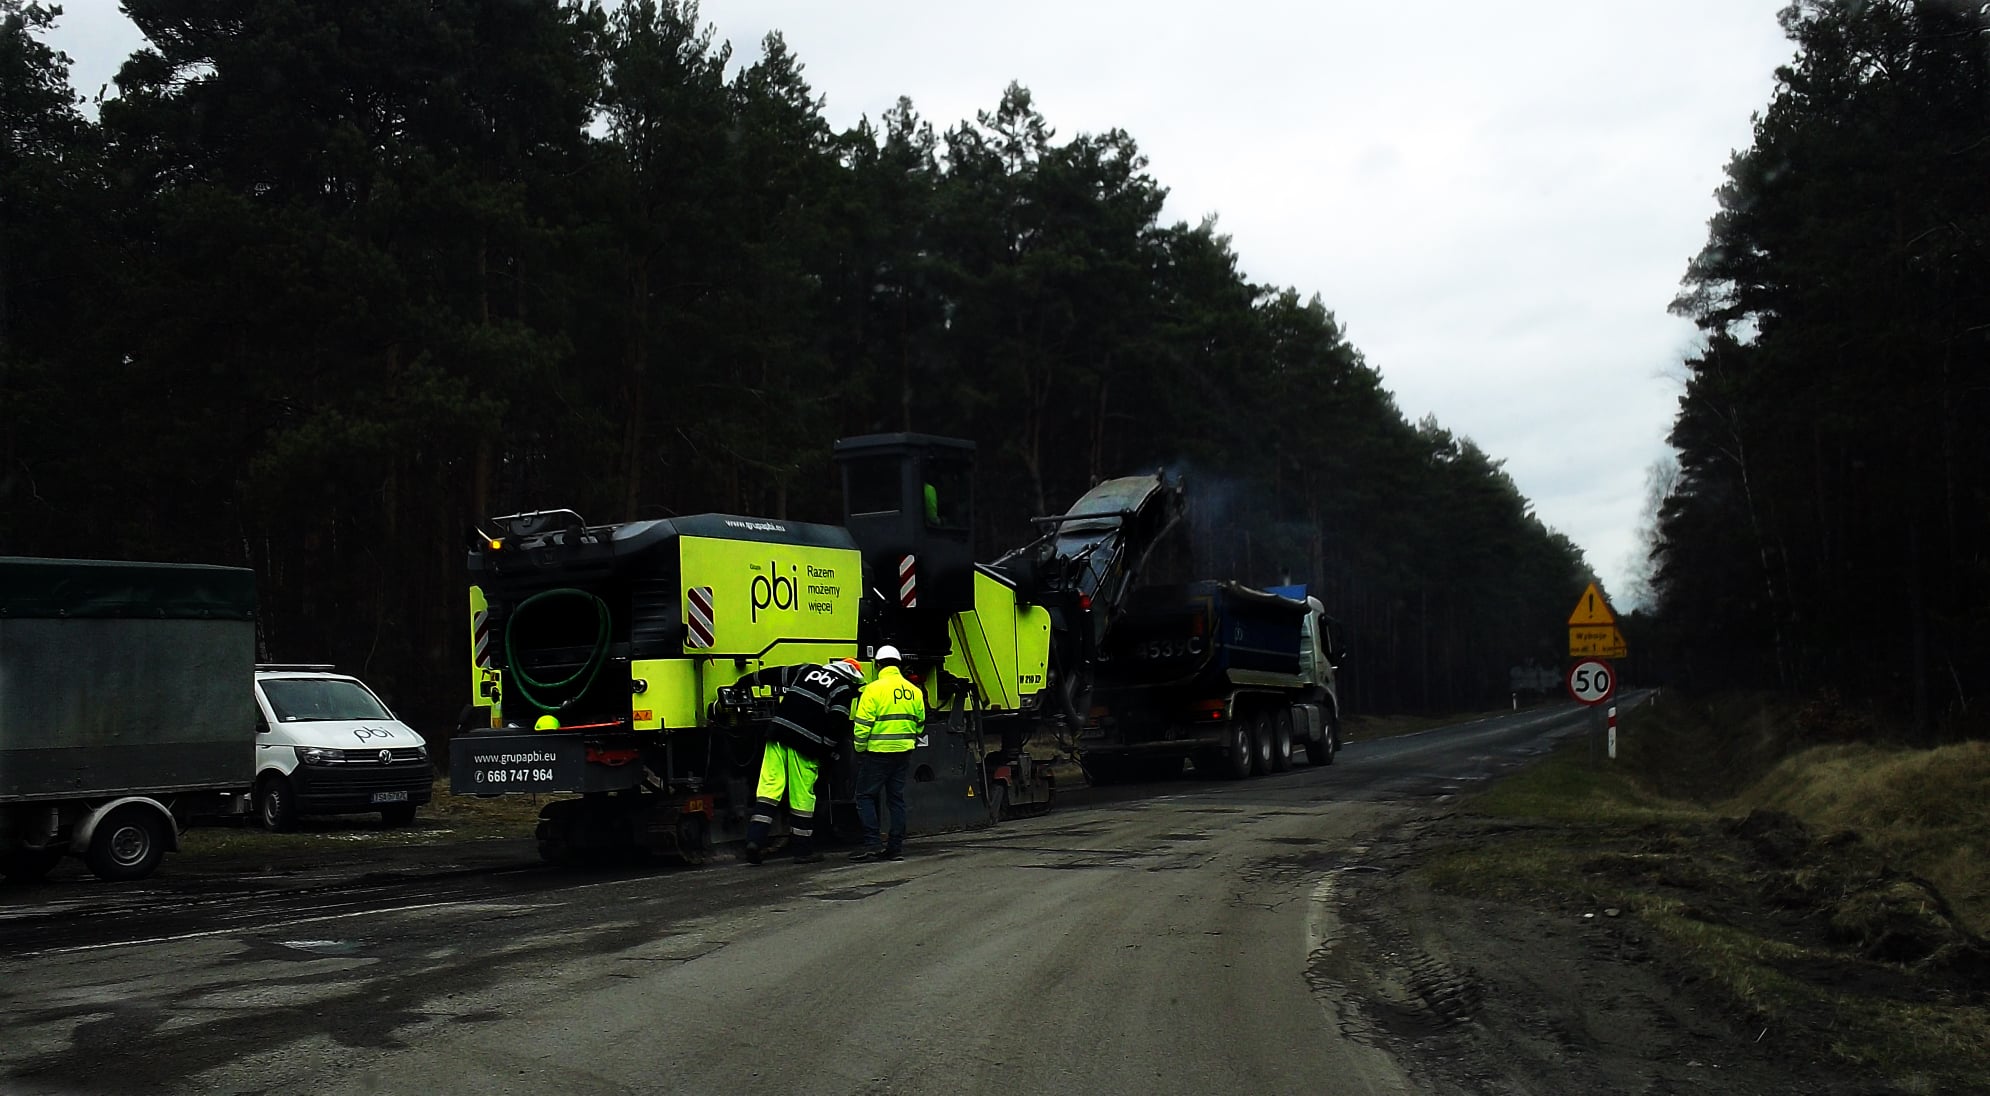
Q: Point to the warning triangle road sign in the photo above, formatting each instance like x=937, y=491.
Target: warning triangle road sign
x=1591, y=610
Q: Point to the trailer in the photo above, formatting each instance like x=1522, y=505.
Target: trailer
x=127, y=709
x=1232, y=678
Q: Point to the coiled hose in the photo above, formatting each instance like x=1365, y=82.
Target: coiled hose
x=590, y=669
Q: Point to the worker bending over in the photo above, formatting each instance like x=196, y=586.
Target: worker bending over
x=811, y=721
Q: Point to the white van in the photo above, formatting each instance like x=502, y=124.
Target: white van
x=325, y=744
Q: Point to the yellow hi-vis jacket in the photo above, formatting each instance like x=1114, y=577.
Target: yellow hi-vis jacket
x=891, y=715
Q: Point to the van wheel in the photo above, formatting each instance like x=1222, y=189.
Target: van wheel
x=276, y=803
x=400, y=814
x=128, y=844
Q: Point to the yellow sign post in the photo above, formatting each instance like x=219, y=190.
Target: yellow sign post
x=1593, y=628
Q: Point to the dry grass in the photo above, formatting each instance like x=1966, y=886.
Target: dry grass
x=1570, y=834
x=1923, y=808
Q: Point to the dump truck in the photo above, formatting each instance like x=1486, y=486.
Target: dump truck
x=127, y=709
x=1235, y=679
x=617, y=663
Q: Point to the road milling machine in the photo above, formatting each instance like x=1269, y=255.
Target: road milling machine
x=620, y=666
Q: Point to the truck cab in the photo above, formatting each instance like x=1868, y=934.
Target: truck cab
x=327, y=744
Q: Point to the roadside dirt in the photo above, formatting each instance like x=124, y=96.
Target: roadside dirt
x=1515, y=987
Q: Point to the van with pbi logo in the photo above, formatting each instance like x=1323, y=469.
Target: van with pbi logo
x=325, y=744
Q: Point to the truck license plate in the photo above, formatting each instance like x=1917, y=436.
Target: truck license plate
x=390, y=797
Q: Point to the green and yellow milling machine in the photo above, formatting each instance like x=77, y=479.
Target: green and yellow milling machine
x=615, y=661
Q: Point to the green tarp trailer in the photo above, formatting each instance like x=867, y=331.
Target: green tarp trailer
x=121, y=680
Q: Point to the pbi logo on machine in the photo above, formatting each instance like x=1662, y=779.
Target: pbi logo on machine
x=773, y=590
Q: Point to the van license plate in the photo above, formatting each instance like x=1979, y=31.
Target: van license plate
x=390, y=797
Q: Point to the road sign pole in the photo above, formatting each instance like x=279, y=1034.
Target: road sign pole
x=1613, y=732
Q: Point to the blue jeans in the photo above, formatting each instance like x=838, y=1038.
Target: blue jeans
x=882, y=772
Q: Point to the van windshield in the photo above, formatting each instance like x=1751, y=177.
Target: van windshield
x=317, y=700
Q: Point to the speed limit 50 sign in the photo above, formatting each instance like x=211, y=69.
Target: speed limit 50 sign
x=1592, y=681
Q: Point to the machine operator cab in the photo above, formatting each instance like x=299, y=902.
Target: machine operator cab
x=326, y=744
x=909, y=504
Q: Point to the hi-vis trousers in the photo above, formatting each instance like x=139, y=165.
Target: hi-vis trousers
x=784, y=770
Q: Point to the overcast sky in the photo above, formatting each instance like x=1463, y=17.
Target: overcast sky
x=1496, y=200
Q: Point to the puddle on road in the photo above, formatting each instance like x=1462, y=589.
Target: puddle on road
x=328, y=947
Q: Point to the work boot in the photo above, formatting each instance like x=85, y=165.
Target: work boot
x=756, y=840
x=867, y=854
x=892, y=854
x=753, y=852
x=804, y=850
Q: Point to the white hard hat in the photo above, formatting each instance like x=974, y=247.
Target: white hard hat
x=888, y=653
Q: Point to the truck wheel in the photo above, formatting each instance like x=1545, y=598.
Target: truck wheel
x=1332, y=736
x=1237, y=758
x=1279, y=723
x=400, y=814
x=29, y=865
x=1319, y=751
x=276, y=803
x=128, y=844
x=1260, y=745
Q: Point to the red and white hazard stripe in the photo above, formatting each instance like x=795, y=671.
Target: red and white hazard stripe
x=908, y=582
x=480, y=630
x=699, y=631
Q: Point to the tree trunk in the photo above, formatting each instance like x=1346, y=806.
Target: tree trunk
x=635, y=384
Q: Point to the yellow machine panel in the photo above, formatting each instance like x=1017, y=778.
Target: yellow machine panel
x=1003, y=646
x=480, y=641
x=749, y=599
x=668, y=697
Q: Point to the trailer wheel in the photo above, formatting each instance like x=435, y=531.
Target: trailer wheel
x=276, y=803
x=128, y=844
x=29, y=865
x=1237, y=757
x=1279, y=723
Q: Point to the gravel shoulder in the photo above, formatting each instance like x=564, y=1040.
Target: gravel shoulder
x=1549, y=992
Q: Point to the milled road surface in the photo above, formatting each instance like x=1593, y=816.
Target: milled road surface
x=1149, y=940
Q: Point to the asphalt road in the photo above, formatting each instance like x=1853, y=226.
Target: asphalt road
x=1143, y=940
